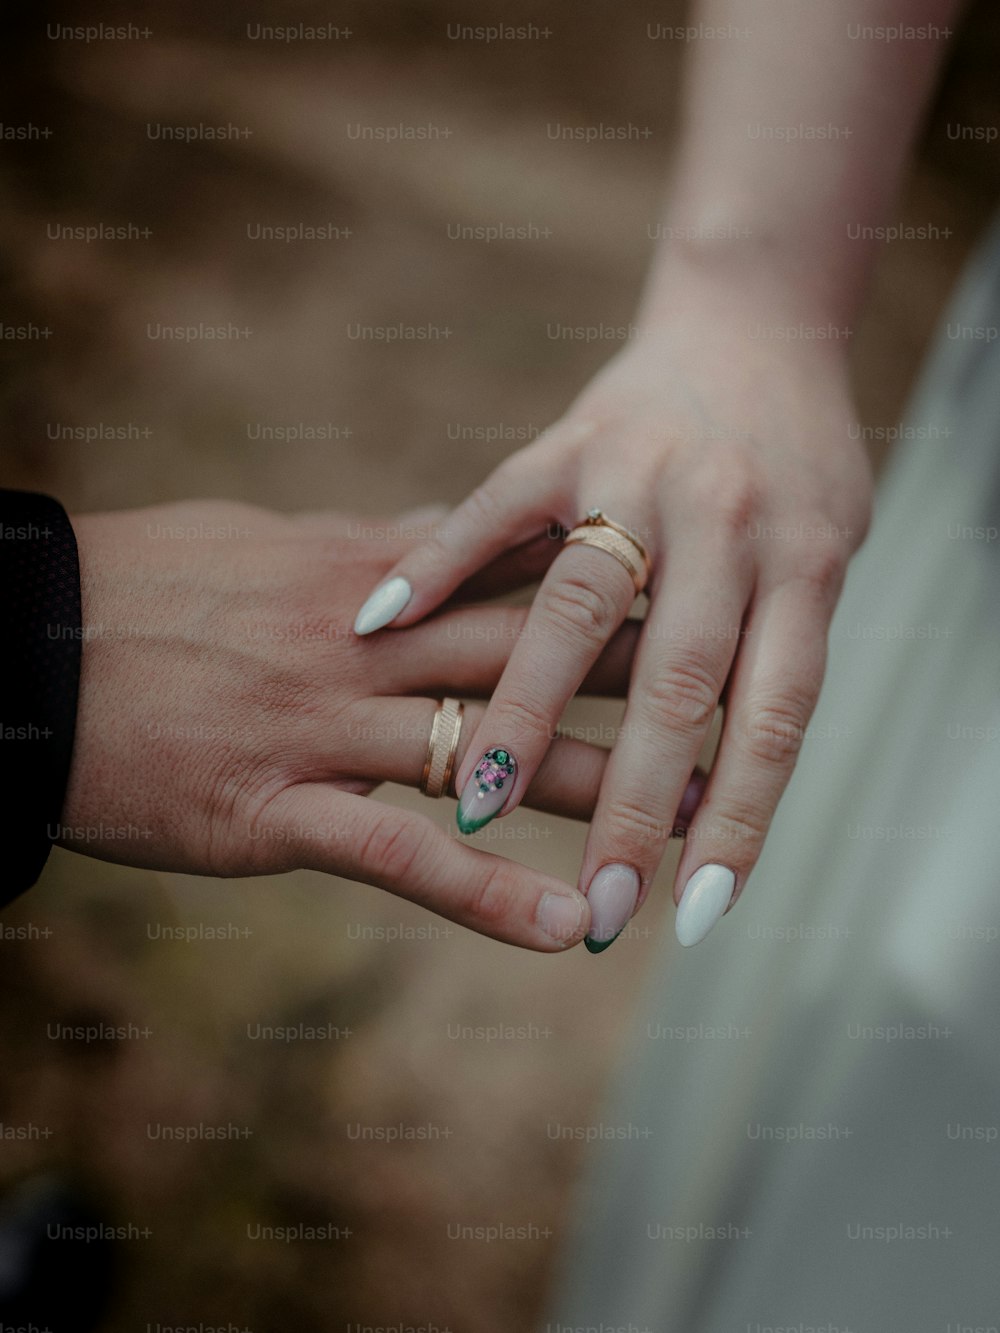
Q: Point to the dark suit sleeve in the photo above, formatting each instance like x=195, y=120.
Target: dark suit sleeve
x=39, y=680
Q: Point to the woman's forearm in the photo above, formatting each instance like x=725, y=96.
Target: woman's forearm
x=797, y=124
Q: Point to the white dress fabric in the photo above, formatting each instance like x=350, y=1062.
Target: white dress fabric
x=820, y=1077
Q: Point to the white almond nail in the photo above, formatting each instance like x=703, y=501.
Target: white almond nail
x=383, y=606
x=706, y=896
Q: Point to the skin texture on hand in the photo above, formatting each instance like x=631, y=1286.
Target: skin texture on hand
x=231, y=722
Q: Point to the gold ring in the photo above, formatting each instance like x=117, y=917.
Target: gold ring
x=600, y=531
x=441, y=748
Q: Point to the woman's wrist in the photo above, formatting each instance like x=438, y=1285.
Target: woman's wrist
x=724, y=280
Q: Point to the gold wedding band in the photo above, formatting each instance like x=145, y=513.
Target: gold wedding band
x=600, y=531
x=441, y=748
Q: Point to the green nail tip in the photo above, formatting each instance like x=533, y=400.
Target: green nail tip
x=598, y=946
x=472, y=825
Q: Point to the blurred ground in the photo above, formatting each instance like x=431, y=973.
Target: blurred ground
x=477, y=1119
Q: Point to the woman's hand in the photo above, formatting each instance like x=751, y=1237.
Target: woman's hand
x=720, y=437
x=231, y=722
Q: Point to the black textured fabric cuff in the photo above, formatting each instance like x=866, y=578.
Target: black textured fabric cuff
x=39, y=679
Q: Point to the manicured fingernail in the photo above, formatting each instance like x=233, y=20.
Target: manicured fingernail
x=383, y=606
x=612, y=896
x=559, y=915
x=487, y=789
x=706, y=896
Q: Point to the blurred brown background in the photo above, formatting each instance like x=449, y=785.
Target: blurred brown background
x=477, y=1120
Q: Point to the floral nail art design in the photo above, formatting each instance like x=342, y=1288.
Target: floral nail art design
x=494, y=766
x=487, y=789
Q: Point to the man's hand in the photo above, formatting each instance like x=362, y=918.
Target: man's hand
x=231, y=722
